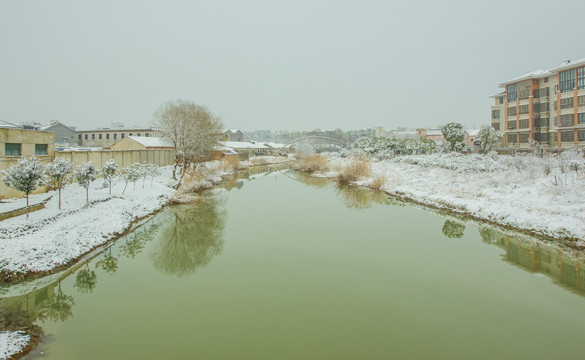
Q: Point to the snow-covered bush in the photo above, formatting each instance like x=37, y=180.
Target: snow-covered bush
x=24, y=176
x=152, y=170
x=85, y=174
x=454, y=135
x=109, y=171
x=58, y=173
x=131, y=174
x=572, y=159
x=488, y=138
x=384, y=148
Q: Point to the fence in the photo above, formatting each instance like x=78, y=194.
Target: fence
x=124, y=158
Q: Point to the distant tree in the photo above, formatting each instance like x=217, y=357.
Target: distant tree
x=85, y=174
x=110, y=170
x=488, y=138
x=454, y=135
x=24, y=176
x=58, y=172
x=192, y=129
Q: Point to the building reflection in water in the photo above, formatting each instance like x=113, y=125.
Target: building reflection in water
x=561, y=263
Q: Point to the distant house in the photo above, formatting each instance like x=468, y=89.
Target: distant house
x=107, y=137
x=432, y=134
x=470, y=136
x=233, y=135
x=64, y=135
x=18, y=143
x=142, y=143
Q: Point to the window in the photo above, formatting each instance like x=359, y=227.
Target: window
x=581, y=78
x=546, y=79
x=115, y=136
x=566, y=120
x=100, y=136
x=581, y=135
x=147, y=134
x=107, y=136
x=512, y=125
x=524, y=124
x=543, y=92
x=512, y=92
x=79, y=136
x=85, y=136
x=581, y=118
x=523, y=138
x=138, y=134
x=496, y=126
x=512, y=138
x=567, y=80
x=495, y=114
x=512, y=110
x=523, y=109
x=40, y=149
x=501, y=100
x=581, y=101
x=93, y=136
x=12, y=150
x=123, y=135
x=567, y=136
x=130, y=134
x=567, y=103
x=524, y=94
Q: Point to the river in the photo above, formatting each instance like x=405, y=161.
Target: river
x=281, y=266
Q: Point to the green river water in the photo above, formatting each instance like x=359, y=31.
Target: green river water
x=281, y=266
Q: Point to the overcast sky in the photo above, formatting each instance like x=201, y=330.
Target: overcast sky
x=301, y=64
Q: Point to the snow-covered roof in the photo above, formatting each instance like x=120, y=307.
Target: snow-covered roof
x=274, y=145
x=9, y=125
x=152, y=141
x=434, y=133
x=242, y=145
x=536, y=74
x=569, y=64
x=232, y=130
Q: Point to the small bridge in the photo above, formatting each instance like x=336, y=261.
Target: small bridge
x=334, y=142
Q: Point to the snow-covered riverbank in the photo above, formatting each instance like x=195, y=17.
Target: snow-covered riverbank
x=543, y=196
x=12, y=343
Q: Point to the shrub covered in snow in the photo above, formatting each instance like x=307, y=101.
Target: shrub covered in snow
x=58, y=173
x=24, y=176
x=85, y=174
x=454, y=135
x=384, y=148
x=131, y=174
x=109, y=170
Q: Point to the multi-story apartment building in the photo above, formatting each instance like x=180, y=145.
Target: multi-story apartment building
x=544, y=107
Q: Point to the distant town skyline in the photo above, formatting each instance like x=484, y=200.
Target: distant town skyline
x=298, y=65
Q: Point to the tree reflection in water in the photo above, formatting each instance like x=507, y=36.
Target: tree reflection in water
x=453, y=229
x=191, y=239
x=109, y=263
x=85, y=280
x=56, y=308
x=135, y=242
x=359, y=198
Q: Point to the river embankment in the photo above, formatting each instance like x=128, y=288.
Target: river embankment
x=538, y=196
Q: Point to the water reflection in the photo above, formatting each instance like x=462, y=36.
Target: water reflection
x=453, y=229
x=85, y=280
x=563, y=264
x=191, y=238
x=58, y=307
x=109, y=262
x=355, y=197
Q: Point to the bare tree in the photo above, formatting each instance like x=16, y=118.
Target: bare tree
x=192, y=129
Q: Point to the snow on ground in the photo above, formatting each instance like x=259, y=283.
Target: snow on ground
x=50, y=237
x=12, y=343
x=542, y=195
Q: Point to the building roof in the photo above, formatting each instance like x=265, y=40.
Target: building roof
x=472, y=132
x=118, y=130
x=242, y=145
x=536, y=74
x=569, y=64
x=46, y=128
x=434, y=132
x=9, y=125
x=152, y=141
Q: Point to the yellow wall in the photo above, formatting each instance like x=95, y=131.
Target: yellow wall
x=127, y=144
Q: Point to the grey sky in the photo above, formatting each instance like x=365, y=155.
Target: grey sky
x=276, y=64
